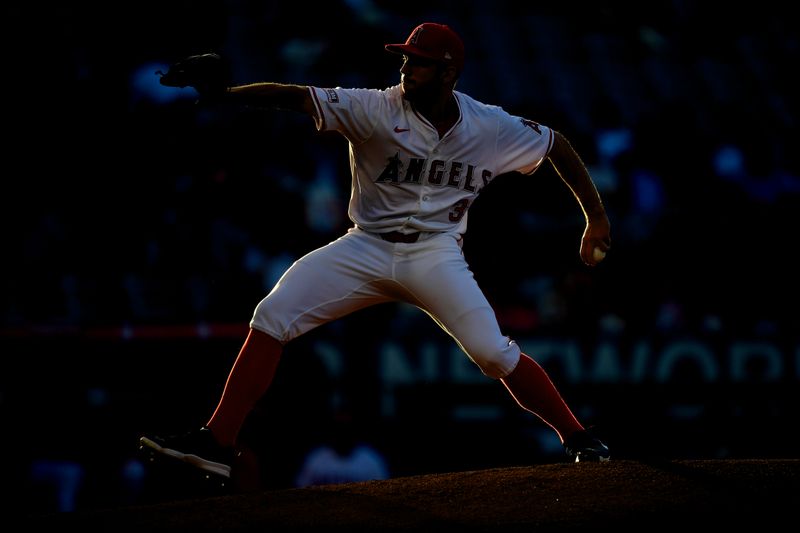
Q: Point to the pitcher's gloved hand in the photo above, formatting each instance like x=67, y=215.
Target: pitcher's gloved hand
x=209, y=74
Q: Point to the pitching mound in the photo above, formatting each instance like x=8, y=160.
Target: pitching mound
x=626, y=494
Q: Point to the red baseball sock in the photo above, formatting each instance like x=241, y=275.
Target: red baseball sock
x=247, y=382
x=533, y=390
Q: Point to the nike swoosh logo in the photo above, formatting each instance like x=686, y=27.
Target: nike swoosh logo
x=398, y=129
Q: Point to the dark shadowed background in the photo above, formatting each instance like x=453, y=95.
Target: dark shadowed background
x=140, y=231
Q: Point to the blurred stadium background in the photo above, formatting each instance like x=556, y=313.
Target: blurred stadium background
x=140, y=232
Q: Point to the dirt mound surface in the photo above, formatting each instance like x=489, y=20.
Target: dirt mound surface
x=622, y=494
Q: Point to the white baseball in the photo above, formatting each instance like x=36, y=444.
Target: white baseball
x=598, y=254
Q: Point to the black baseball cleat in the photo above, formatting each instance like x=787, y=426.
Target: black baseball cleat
x=198, y=449
x=585, y=447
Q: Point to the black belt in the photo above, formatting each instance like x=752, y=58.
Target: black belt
x=396, y=236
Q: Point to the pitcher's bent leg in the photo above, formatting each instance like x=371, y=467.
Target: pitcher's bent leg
x=328, y=283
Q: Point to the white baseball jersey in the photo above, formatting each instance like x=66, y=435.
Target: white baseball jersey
x=404, y=176
x=408, y=179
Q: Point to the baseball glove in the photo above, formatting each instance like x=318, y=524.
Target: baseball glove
x=209, y=74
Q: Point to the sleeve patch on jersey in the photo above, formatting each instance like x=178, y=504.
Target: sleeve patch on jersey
x=532, y=125
x=333, y=98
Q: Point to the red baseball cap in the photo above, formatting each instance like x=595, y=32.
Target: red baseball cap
x=433, y=41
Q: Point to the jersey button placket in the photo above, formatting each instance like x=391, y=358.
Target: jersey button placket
x=424, y=196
